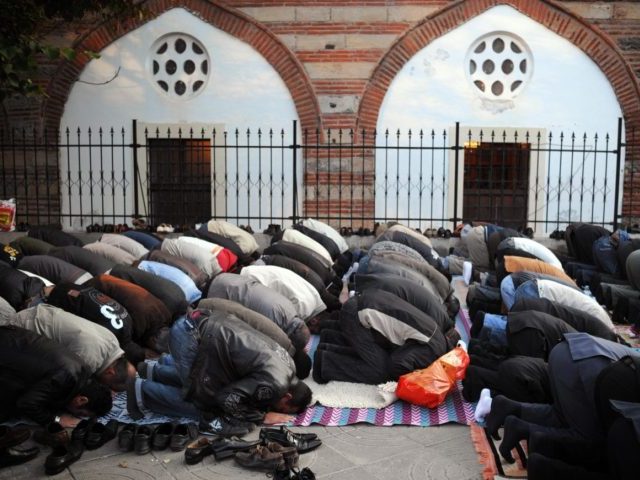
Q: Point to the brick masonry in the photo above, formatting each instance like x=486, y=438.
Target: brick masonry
x=338, y=57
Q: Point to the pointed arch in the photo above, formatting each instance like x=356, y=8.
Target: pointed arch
x=213, y=12
x=598, y=46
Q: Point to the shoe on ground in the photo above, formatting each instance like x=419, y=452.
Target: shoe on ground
x=53, y=434
x=289, y=439
x=277, y=434
x=261, y=458
x=100, y=434
x=125, y=438
x=11, y=456
x=228, y=447
x=181, y=436
x=197, y=450
x=162, y=436
x=12, y=436
x=79, y=433
x=142, y=440
x=61, y=457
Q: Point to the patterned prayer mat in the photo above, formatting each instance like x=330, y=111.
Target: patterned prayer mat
x=625, y=332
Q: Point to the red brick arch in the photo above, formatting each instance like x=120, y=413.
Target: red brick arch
x=213, y=12
x=598, y=46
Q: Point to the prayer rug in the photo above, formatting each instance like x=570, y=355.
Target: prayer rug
x=625, y=332
x=494, y=467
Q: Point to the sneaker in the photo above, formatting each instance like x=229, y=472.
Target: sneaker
x=225, y=427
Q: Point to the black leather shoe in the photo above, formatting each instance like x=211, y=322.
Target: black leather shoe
x=53, y=434
x=12, y=436
x=61, y=457
x=125, y=438
x=15, y=456
x=197, y=450
x=100, y=434
x=162, y=436
x=271, y=434
x=142, y=440
x=79, y=434
x=181, y=436
x=290, y=439
x=227, y=447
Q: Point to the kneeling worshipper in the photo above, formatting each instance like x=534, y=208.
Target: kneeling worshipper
x=585, y=373
x=40, y=379
x=222, y=372
x=378, y=338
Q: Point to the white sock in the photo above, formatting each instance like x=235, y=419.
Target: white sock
x=484, y=405
x=467, y=268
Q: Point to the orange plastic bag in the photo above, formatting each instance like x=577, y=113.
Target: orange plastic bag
x=430, y=386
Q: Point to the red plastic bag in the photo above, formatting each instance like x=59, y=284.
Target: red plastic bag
x=430, y=386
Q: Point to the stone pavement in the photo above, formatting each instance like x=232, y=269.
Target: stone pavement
x=358, y=452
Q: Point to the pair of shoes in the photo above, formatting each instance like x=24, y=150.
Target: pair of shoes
x=225, y=427
x=53, y=434
x=174, y=436
x=11, y=456
x=220, y=448
x=346, y=231
x=273, y=229
x=135, y=437
x=13, y=436
x=165, y=228
x=268, y=458
x=61, y=457
x=557, y=235
x=247, y=228
x=303, y=442
x=98, y=434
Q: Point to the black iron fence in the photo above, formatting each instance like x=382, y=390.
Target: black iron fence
x=425, y=178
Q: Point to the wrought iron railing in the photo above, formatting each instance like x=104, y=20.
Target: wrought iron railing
x=424, y=178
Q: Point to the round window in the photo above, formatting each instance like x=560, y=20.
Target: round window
x=499, y=65
x=178, y=65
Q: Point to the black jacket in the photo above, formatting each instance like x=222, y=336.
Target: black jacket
x=534, y=334
x=304, y=255
x=54, y=236
x=237, y=371
x=17, y=287
x=78, y=256
x=409, y=291
x=38, y=377
x=90, y=303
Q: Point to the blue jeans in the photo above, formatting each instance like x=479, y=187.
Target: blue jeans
x=508, y=292
x=494, y=329
x=163, y=393
x=527, y=290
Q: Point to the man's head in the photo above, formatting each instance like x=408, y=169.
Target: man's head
x=94, y=399
x=115, y=376
x=295, y=400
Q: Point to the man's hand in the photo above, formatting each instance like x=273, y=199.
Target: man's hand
x=273, y=418
x=68, y=421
